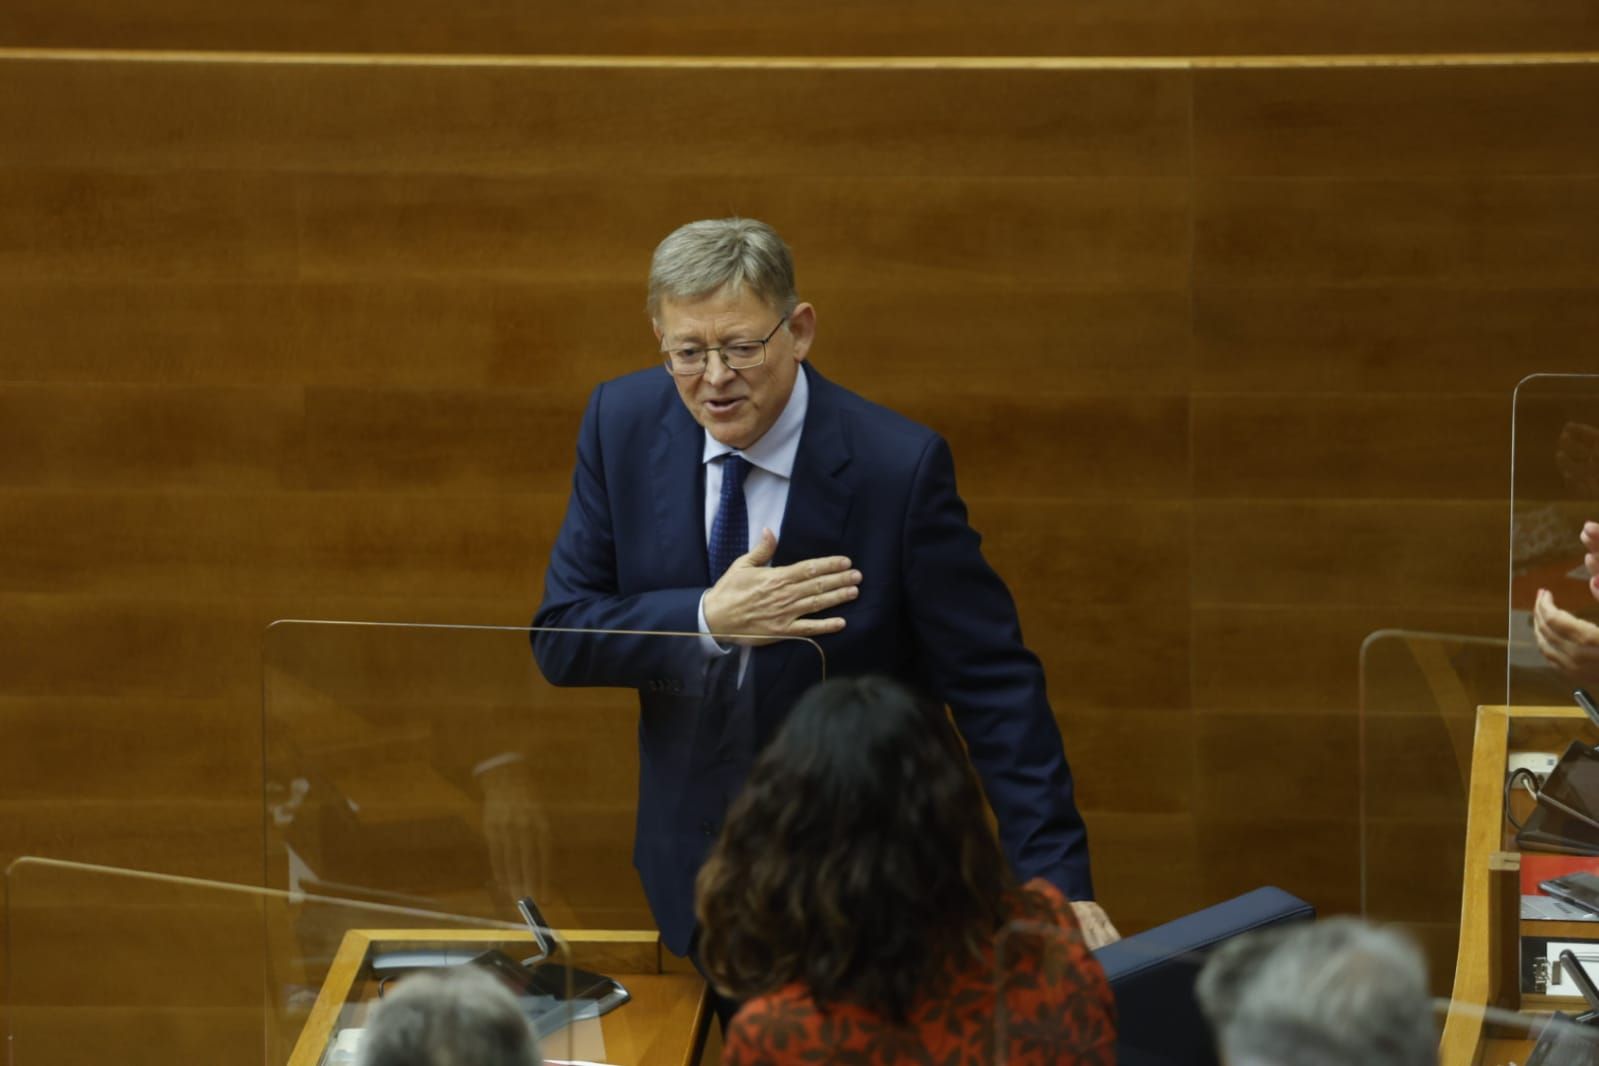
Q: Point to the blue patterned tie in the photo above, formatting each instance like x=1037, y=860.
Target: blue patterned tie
x=730, y=531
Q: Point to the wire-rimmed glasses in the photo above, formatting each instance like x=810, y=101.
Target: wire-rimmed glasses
x=739, y=355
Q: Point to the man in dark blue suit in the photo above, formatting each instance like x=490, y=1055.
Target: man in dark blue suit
x=736, y=491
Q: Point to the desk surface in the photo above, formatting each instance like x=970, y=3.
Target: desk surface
x=664, y=1024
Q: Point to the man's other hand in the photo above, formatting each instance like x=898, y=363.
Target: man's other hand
x=517, y=833
x=1095, y=923
x=1571, y=644
x=758, y=604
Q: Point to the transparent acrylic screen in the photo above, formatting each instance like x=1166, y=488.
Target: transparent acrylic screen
x=1554, y=490
x=442, y=766
x=1419, y=694
x=112, y=965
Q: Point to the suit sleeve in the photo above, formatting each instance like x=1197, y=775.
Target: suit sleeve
x=581, y=591
x=971, y=642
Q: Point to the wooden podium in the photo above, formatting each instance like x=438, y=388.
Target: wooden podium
x=1487, y=971
x=664, y=1024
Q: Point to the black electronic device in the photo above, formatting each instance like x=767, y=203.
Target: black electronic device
x=550, y=994
x=1586, y=702
x=534, y=919
x=1564, y=1040
x=1585, y=985
x=1578, y=889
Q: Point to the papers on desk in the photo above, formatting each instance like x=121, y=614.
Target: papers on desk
x=1543, y=974
x=348, y=1042
x=1538, y=867
x=345, y=1046
x=1549, y=909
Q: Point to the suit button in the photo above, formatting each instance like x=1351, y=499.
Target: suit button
x=708, y=828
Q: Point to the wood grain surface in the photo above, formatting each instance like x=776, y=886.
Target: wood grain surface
x=1224, y=354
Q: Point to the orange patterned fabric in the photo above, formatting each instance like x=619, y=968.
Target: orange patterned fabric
x=1057, y=1004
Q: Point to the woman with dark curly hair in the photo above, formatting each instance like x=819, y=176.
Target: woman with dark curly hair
x=857, y=894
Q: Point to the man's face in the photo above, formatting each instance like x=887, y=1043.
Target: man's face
x=736, y=407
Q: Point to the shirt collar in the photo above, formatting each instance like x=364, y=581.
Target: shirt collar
x=778, y=446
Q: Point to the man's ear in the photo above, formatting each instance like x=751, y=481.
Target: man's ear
x=802, y=326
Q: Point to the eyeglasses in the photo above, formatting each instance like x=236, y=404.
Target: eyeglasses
x=740, y=355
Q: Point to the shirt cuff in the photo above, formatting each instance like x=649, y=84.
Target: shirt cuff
x=709, y=644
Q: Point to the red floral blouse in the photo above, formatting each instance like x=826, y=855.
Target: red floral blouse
x=1057, y=1007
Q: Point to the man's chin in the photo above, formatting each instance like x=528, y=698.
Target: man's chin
x=732, y=438
x=733, y=432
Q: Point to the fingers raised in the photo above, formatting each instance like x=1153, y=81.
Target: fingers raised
x=763, y=551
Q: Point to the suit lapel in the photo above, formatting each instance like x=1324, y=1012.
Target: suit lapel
x=678, y=485
x=813, y=525
x=818, y=501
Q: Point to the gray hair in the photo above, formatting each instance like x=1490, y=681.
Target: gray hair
x=700, y=258
x=1334, y=993
x=464, y=1017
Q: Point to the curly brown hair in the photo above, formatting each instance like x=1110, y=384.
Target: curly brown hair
x=858, y=860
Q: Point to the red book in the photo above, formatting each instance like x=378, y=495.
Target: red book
x=1538, y=866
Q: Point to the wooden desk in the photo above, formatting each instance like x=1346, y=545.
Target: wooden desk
x=1486, y=972
x=664, y=1024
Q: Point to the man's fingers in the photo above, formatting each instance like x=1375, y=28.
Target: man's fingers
x=814, y=627
x=763, y=551
x=1094, y=923
x=828, y=583
x=808, y=568
x=1590, y=535
x=1563, y=625
x=823, y=601
x=1579, y=433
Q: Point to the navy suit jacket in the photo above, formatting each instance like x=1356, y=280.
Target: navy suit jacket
x=867, y=483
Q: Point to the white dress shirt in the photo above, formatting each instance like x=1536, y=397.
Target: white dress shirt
x=771, y=462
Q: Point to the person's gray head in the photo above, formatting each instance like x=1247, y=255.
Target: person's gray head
x=462, y=1017
x=1333, y=993
x=738, y=254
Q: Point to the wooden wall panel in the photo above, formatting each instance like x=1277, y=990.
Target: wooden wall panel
x=1316, y=859
x=1352, y=447
x=1287, y=657
x=112, y=745
x=311, y=544
x=1396, y=340
x=1118, y=342
x=1098, y=742
x=1449, y=122
x=1224, y=356
x=113, y=436
x=1158, y=853
x=1495, y=232
x=1433, y=553
x=1289, y=767
x=697, y=27
x=1077, y=233
x=102, y=225
x=386, y=118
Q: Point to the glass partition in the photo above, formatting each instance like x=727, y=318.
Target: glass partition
x=1554, y=491
x=1551, y=1036
x=464, y=768
x=111, y=965
x=1419, y=694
